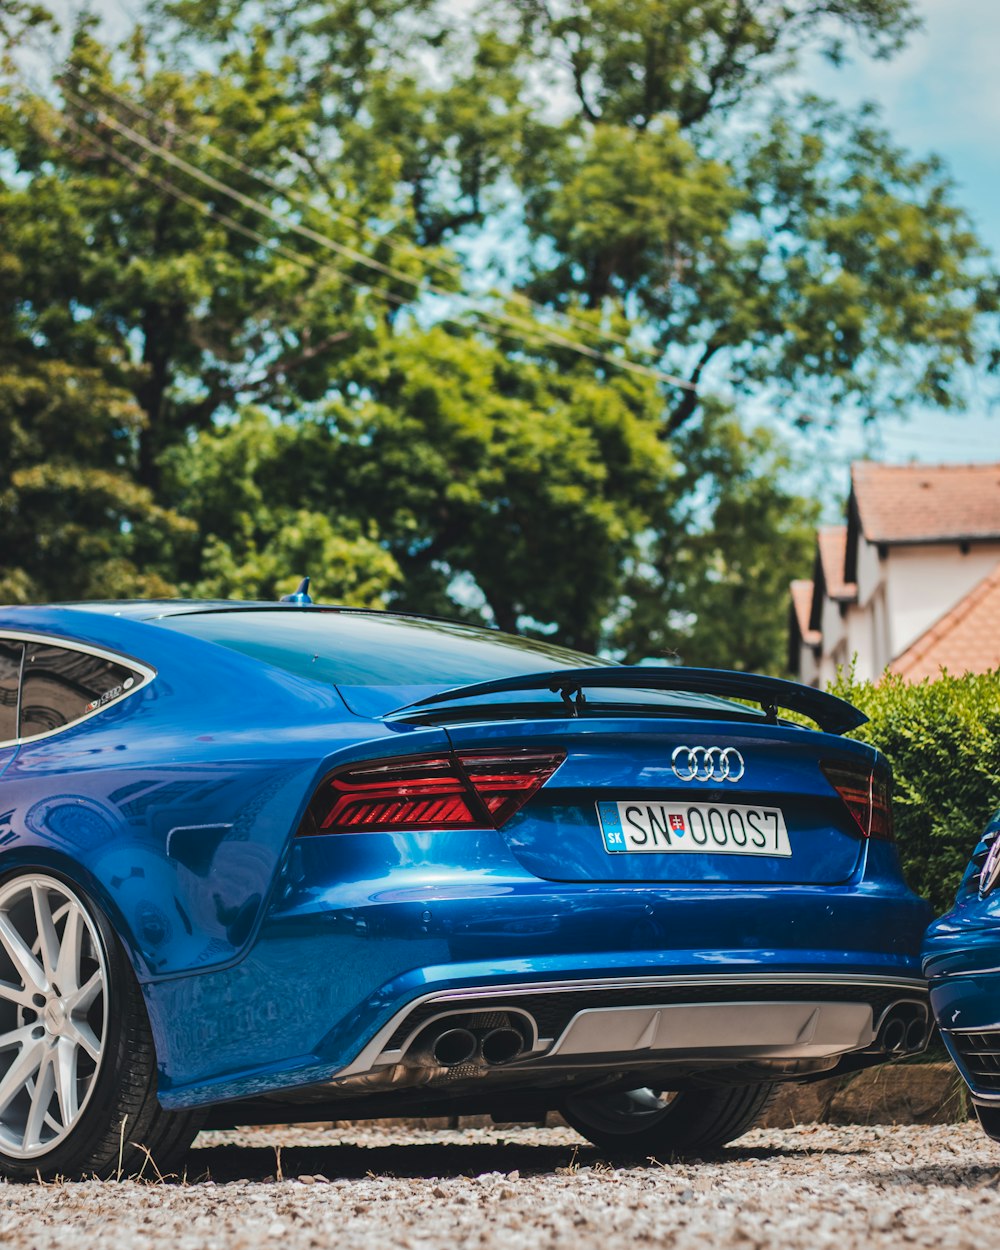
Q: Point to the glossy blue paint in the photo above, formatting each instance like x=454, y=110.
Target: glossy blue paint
x=559, y=839
x=961, y=958
x=393, y=925
x=269, y=960
x=6, y=756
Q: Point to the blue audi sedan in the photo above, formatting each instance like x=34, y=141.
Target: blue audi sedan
x=264, y=862
x=962, y=961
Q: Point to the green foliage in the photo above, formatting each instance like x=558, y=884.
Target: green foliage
x=247, y=327
x=943, y=740
x=712, y=585
x=531, y=481
x=255, y=491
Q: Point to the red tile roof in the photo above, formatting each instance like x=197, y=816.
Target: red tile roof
x=965, y=640
x=802, y=597
x=832, y=543
x=913, y=503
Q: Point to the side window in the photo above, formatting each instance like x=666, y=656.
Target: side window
x=10, y=678
x=61, y=686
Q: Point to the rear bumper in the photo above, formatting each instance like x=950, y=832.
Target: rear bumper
x=325, y=985
x=711, y=1019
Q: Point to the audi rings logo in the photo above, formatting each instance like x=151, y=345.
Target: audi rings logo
x=707, y=764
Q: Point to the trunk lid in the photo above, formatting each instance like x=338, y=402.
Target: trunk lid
x=627, y=766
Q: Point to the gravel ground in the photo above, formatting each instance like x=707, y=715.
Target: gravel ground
x=812, y=1186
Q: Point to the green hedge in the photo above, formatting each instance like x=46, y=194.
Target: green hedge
x=943, y=740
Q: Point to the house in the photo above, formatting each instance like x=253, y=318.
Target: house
x=911, y=582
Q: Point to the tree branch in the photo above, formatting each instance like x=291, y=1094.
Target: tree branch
x=687, y=407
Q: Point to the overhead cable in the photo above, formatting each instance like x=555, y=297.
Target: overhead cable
x=536, y=329
x=450, y=269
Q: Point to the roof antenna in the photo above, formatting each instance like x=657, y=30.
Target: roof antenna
x=301, y=595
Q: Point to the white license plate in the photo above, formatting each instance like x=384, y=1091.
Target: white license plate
x=713, y=828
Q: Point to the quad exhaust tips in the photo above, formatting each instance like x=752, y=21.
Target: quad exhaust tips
x=488, y=1040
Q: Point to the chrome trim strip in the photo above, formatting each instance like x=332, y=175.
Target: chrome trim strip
x=68, y=644
x=365, y=1060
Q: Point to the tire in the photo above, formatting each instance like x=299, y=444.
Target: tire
x=77, y=1061
x=642, y=1123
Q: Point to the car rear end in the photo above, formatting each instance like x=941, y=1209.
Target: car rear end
x=545, y=887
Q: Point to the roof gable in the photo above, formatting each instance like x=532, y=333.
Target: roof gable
x=828, y=573
x=916, y=503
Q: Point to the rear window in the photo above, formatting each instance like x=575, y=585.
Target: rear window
x=61, y=685
x=355, y=649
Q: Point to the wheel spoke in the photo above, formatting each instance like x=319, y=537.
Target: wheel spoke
x=20, y=1071
x=48, y=942
x=70, y=951
x=41, y=1096
x=65, y=1078
x=15, y=994
x=80, y=1002
x=83, y=1036
x=20, y=1036
x=28, y=967
x=56, y=1018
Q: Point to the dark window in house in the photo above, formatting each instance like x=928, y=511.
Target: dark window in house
x=61, y=686
x=10, y=677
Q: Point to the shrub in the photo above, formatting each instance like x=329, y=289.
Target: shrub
x=943, y=740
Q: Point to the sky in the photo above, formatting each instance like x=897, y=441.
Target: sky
x=942, y=95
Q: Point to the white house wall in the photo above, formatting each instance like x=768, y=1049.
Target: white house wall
x=870, y=573
x=900, y=596
x=923, y=582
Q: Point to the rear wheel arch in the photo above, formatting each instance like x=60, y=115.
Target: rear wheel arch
x=78, y=1077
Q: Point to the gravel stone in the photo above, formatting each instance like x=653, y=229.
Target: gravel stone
x=812, y=1187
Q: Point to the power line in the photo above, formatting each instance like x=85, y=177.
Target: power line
x=299, y=258
x=450, y=269
x=540, y=330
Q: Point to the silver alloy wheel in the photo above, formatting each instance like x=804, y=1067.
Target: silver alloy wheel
x=628, y=1111
x=53, y=1013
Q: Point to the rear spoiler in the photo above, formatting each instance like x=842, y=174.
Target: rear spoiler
x=833, y=715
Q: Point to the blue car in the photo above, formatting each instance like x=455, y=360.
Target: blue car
x=264, y=862
x=962, y=962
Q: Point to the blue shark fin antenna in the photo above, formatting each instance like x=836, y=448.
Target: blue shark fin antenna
x=300, y=596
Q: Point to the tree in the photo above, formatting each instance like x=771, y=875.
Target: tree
x=711, y=585
x=135, y=313
x=257, y=491
x=247, y=232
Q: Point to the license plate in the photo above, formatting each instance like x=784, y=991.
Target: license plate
x=701, y=828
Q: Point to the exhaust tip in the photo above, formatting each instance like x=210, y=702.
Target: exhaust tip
x=454, y=1046
x=894, y=1034
x=916, y=1035
x=501, y=1045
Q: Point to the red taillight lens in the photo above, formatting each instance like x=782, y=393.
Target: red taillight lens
x=504, y=783
x=469, y=790
x=867, y=795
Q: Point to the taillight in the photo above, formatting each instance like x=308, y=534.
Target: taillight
x=468, y=790
x=867, y=794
